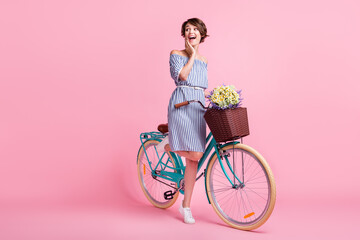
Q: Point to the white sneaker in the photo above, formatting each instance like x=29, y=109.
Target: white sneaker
x=161, y=146
x=186, y=213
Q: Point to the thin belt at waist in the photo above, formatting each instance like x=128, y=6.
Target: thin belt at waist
x=197, y=88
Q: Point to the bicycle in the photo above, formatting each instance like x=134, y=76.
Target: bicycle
x=239, y=183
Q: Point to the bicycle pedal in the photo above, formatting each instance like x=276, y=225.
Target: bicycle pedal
x=168, y=195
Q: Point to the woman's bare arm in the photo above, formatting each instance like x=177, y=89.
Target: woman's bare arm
x=185, y=71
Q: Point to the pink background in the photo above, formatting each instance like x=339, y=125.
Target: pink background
x=79, y=81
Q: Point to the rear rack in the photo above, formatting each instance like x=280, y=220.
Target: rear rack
x=151, y=136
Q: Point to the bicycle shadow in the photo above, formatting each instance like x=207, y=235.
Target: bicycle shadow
x=218, y=222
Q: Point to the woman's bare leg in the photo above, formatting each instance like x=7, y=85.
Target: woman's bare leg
x=190, y=178
x=190, y=172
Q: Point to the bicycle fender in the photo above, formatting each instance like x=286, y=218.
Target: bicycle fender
x=207, y=166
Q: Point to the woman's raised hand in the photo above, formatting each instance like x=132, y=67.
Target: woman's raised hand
x=189, y=49
x=188, y=66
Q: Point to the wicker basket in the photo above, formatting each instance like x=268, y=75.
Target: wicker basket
x=228, y=124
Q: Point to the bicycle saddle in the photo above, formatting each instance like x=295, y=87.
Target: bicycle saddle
x=163, y=128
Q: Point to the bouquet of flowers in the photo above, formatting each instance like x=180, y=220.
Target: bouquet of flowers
x=224, y=97
x=225, y=118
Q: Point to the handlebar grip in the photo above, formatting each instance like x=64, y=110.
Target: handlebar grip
x=181, y=104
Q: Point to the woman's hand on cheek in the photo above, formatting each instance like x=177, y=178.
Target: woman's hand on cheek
x=188, y=48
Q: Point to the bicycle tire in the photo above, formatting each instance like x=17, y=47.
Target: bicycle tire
x=153, y=189
x=258, y=186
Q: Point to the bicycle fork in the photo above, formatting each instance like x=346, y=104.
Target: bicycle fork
x=223, y=155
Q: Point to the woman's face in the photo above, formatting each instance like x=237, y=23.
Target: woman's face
x=192, y=34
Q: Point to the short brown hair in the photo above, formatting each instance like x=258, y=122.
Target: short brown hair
x=199, y=24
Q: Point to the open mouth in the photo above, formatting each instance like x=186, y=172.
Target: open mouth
x=192, y=38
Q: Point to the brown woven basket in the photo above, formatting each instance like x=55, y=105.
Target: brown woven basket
x=228, y=124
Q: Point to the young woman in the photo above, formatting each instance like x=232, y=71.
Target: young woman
x=187, y=127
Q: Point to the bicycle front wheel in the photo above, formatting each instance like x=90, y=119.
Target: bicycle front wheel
x=153, y=186
x=244, y=206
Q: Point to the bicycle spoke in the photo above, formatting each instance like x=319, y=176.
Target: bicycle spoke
x=225, y=197
x=257, y=194
x=246, y=183
x=256, y=178
x=254, y=175
x=238, y=205
x=244, y=205
x=222, y=189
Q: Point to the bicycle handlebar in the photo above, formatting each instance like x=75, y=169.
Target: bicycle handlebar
x=179, y=105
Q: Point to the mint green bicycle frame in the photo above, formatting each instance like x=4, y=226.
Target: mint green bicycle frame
x=160, y=169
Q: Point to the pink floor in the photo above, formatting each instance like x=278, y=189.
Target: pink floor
x=139, y=220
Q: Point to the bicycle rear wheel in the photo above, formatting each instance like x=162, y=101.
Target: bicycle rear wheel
x=247, y=206
x=152, y=187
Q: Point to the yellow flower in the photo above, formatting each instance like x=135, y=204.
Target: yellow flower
x=223, y=96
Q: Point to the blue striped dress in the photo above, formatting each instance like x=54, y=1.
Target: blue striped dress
x=187, y=126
